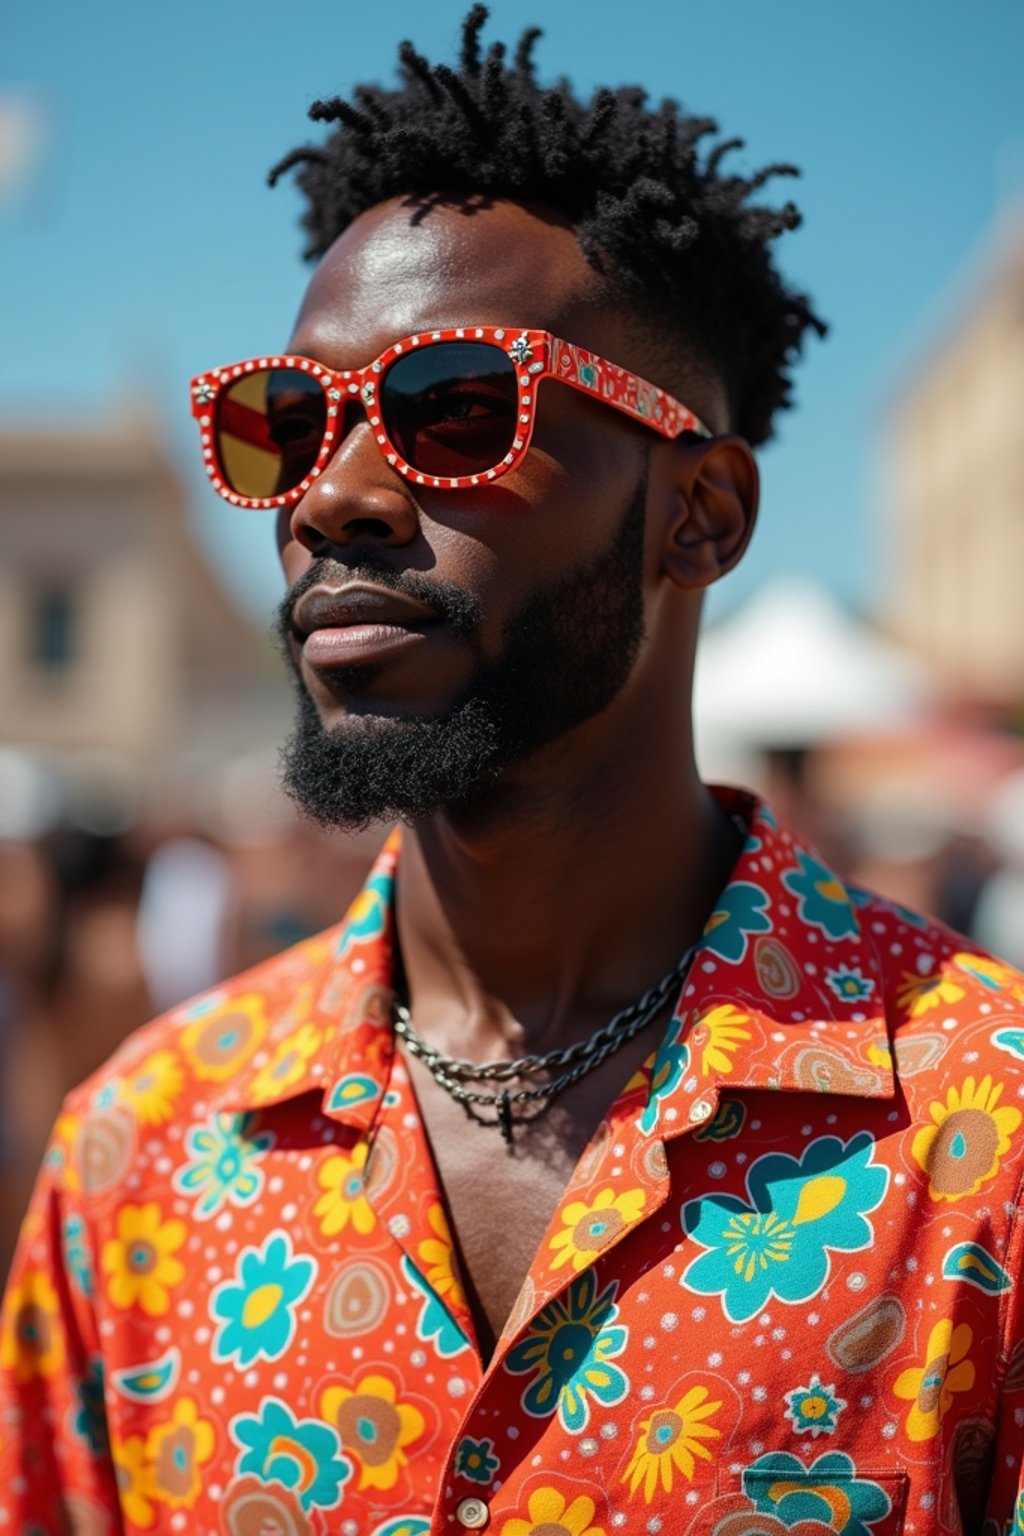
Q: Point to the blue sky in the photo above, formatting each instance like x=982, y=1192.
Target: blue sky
x=146, y=246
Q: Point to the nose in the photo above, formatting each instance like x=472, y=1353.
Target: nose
x=357, y=498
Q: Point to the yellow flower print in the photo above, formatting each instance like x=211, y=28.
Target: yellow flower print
x=152, y=1090
x=221, y=1040
x=140, y=1260
x=176, y=1452
x=288, y=1065
x=32, y=1341
x=961, y=1149
x=133, y=1474
x=669, y=1441
x=375, y=1428
x=589, y=1228
x=717, y=1036
x=880, y=1056
x=437, y=1258
x=342, y=1178
x=919, y=994
x=550, y=1515
x=931, y=1387
x=58, y=1156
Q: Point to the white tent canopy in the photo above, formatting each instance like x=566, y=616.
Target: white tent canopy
x=793, y=669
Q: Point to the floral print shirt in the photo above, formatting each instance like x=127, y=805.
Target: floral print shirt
x=782, y=1293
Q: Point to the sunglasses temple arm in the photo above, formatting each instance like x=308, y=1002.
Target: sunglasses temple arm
x=626, y=391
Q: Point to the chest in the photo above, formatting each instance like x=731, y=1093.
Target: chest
x=500, y=1202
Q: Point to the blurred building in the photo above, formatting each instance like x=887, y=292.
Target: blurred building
x=954, y=535
x=146, y=849
x=114, y=634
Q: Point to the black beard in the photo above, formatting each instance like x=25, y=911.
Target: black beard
x=567, y=653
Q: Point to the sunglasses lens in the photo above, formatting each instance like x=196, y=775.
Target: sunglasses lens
x=269, y=426
x=451, y=409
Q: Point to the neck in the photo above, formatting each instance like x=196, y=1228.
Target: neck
x=532, y=917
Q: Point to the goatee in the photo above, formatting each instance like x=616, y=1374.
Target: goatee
x=566, y=654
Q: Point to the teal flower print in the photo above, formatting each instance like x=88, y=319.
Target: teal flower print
x=435, y=1324
x=822, y=899
x=741, y=911
x=568, y=1350
x=828, y=1492
x=91, y=1414
x=850, y=984
x=403, y=1525
x=475, y=1460
x=776, y=1243
x=76, y=1256
x=860, y=898
x=258, y=1307
x=300, y=1453
x=1018, y=1517
x=814, y=1410
x=223, y=1169
x=368, y=915
x=670, y=1065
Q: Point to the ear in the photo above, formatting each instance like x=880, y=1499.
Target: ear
x=710, y=504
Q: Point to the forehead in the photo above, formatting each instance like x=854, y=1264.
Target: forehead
x=398, y=269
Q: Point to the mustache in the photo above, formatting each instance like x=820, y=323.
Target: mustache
x=459, y=609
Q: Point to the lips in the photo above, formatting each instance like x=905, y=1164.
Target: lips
x=358, y=606
x=357, y=623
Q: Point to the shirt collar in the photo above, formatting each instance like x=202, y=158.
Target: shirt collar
x=327, y=1012
x=784, y=992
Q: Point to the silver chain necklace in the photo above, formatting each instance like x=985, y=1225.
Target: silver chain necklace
x=451, y=1072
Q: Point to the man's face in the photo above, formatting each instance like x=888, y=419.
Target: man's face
x=489, y=622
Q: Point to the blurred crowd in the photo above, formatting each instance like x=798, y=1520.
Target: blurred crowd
x=108, y=918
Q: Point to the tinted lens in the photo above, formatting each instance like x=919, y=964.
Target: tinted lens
x=269, y=425
x=451, y=409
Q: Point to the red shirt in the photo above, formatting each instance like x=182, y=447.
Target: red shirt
x=781, y=1293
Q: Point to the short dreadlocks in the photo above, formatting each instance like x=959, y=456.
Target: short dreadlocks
x=673, y=232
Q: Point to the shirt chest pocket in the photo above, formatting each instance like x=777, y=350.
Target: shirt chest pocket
x=780, y=1491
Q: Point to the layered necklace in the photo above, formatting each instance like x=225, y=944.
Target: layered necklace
x=452, y=1073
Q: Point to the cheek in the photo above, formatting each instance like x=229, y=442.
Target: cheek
x=586, y=451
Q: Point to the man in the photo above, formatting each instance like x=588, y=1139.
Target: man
x=723, y=1238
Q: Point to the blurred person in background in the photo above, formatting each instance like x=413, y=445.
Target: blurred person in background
x=997, y=920
x=182, y=918
x=71, y=986
x=478, y=1210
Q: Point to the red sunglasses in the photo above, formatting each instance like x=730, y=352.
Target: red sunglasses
x=452, y=408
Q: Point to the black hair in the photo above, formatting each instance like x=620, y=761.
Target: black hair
x=655, y=210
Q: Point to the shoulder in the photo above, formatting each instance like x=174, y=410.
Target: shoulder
x=954, y=1012
x=194, y=1053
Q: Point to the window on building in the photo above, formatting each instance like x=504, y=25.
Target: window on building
x=53, y=629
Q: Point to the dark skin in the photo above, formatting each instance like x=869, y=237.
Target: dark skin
x=529, y=916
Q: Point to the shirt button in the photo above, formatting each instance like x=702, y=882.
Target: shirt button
x=473, y=1514
x=700, y=1110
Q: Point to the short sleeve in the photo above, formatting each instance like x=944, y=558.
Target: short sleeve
x=55, y=1468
